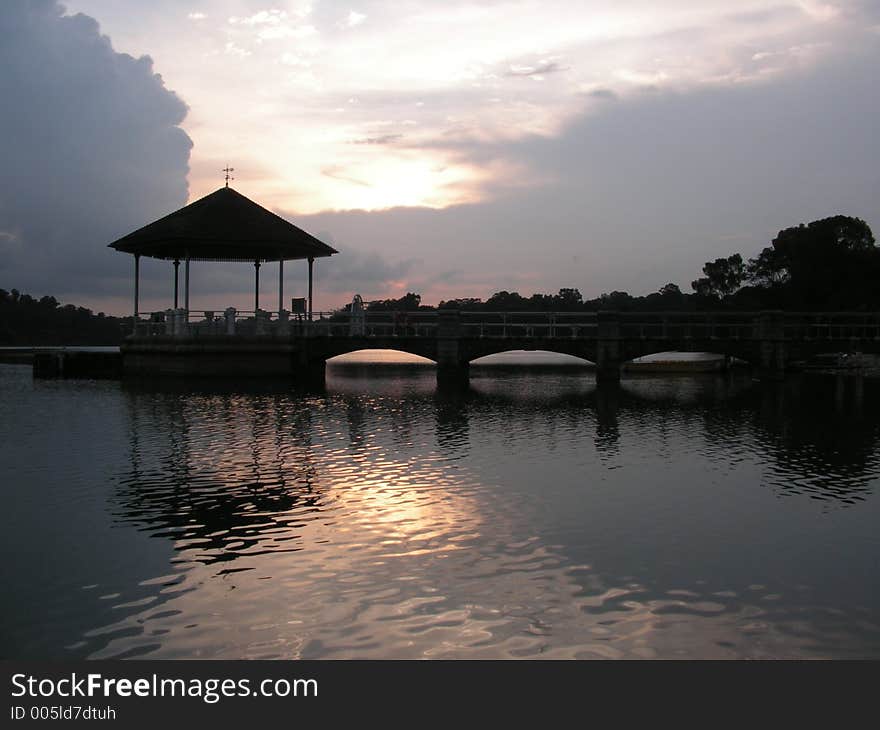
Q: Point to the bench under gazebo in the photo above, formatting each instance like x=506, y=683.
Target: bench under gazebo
x=223, y=226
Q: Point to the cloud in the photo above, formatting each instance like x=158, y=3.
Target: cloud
x=380, y=139
x=354, y=19
x=602, y=94
x=292, y=59
x=747, y=127
x=91, y=148
x=367, y=273
x=280, y=32
x=338, y=173
x=539, y=68
x=232, y=49
x=644, y=190
x=263, y=17
x=274, y=24
x=537, y=62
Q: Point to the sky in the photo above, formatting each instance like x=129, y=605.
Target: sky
x=451, y=148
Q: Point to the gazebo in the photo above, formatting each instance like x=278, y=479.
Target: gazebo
x=223, y=226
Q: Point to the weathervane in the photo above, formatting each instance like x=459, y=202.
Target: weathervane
x=227, y=170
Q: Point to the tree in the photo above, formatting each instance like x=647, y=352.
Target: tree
x=829, y=263
x=505, y=301
x=616, y=301
x=26, y=320
x=468, y=303
x=768, y=269
x=722, y=277
x=408, y=303
x=569, y=299
x=669, y=296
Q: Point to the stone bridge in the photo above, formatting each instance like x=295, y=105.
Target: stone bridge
x=770, y=341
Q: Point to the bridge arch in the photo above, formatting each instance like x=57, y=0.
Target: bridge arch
x=582, y=349
x=530, y=358
x=635, y=350
x=677, y=361
x=385, y=356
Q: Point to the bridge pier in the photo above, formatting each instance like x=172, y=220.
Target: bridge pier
x=454, y=377
x=608, y=347
x=607, y=406
x=453, y=368
x=771, y=338
x=309, y=368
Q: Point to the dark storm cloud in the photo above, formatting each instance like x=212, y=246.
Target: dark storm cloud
x=91, y=150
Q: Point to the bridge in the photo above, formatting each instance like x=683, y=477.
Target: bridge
x=225, y=226
x=260, y=343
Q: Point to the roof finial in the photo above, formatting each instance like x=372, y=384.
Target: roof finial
x=227, y=170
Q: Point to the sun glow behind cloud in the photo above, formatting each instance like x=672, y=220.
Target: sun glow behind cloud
x=323, y=106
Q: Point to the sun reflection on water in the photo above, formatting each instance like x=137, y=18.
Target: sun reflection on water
x=527, y=516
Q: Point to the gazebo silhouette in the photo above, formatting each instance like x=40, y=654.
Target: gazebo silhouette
x=223, y=226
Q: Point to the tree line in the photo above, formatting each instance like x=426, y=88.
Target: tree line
x=831, y=264
x=27, y=321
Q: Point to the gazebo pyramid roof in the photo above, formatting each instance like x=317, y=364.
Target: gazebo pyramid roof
x=223, y=226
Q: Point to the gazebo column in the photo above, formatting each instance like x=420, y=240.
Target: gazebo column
x=137, y=277
x=186, y=286
x=311, y=267
x=176, y=267
x=280, y=285
x=256, y=287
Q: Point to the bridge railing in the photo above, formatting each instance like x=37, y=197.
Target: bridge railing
x=817, y=326
x=669, y=326
x=528, y=324
x=688, y=325
x=148, y=326
x=375, y=324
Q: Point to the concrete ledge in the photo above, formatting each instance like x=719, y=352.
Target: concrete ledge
x=71, y=364
x=201, y=363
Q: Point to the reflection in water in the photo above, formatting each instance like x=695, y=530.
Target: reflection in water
x=221, y=473
x=607, y=431
x=531, y=515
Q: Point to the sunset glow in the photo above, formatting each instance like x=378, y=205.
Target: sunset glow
x=325, y=107
x=451, y=149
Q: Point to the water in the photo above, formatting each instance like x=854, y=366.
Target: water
x=534, y=515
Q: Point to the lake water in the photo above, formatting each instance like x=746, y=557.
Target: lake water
x=534, y=515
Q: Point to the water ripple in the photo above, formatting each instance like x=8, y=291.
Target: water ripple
x=530, y=516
